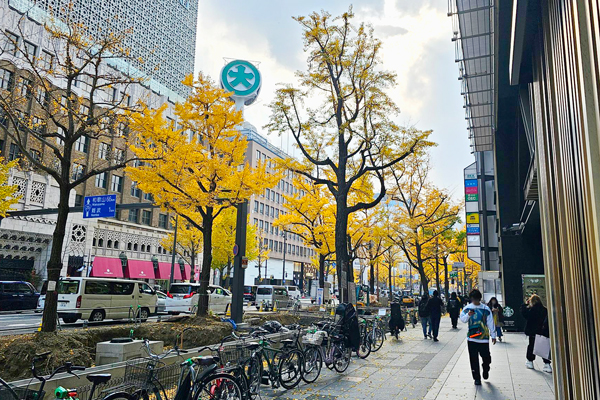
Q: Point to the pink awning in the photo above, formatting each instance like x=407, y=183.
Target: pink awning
x=140, y=269
x=164, y=271
x=104, y=267
x=187, y=272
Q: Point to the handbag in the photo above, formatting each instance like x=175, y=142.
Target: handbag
x=542, y=346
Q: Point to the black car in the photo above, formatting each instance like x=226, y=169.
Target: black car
x=250, y=293
x=17, y=295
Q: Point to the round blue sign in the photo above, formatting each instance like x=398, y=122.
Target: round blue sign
x=236, y=250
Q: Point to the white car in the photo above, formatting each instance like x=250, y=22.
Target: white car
x=183, y=298
x=160, y=302
x=293, y=292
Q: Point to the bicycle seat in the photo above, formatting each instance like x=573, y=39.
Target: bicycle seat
x=206, y=360
x=98, y=379
x=253, y=345
x=287, y=342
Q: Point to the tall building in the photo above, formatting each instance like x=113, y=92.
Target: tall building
x=544, y=131
x=129, y=244
x=264, y=210
x=162, y=37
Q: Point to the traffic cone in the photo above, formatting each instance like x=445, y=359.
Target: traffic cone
x=39, y=327
x=275, y=307
x=228, y=313
x=261, y=306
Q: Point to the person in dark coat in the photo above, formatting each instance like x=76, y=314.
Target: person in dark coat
x=454, y=305
x=424, y=314
x=497, y=313
x=537, y=316
x=435, y=313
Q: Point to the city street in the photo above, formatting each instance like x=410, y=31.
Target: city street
x=414, y=368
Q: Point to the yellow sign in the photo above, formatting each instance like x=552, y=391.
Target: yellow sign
x=473, y=218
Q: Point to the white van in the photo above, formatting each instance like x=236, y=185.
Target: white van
x=95, y=299
x=269, y=294
x=183, y=298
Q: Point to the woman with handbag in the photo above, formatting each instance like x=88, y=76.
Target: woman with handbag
x=536, y=315
x=498, y=316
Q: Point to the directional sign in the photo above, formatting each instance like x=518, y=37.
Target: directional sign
x=458, y=265
x=472, y=218
x=471, y=197
x=100, y=206
x=473, y=229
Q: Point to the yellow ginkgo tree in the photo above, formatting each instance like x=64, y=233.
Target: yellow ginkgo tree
x=189, y=244
x=7, y=192
x=197, y=169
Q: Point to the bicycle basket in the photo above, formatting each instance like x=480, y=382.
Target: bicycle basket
x=22, y=394
x=233, y=353
x=143, y=372
x=315, y=338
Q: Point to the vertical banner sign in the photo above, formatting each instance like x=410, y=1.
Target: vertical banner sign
x=472, y=213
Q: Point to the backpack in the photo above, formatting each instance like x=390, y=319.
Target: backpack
x=423, y=309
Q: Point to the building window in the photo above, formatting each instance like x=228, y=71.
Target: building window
x=260, y=224
x=148, y=196
x=84, y=110
x=268, y=194
x=103, y=151
x=5, y=79
x=11, y=43
x=78, y=171
x=146, y=217
x=255, y=206
x=30, y=49
x=13, y=152
x=272, y=195
x=262, y=208
x=255, y=221
x=101, y=180
x=135, y=190
x=277, y=198
x=35, y=155
x=118, y=156
x=163, y=221
x=78, y=200
x=46, y=60
x=134, y=215
x=117, y=184
x=270, y=244
x=24, y=87
x=121, y=129
x=82, y=144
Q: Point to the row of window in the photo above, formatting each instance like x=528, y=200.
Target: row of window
x=12, y=44
x=130, y=246
x=267, y=227
x=277, y=246
x=267, y=210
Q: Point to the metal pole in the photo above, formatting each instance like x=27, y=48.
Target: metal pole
x=284, y=251
x=237, y=300
x=301, y=277
x=174, y=252
x=486, y=243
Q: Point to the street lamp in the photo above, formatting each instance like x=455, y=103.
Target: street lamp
x=123, y=258
x=284, y=234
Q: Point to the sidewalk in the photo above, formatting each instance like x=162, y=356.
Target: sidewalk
x=509, y=378
x=414, y=368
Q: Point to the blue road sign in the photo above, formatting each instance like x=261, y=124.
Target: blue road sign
x=470, y=182
x=100, y=206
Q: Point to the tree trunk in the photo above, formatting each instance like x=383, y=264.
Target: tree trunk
x=193, y=266
x=321, y=271
x=342, y=257
x=55, y=262
x=437, y=273
x=372, y=275
x=390, y=295
x=421, y=270
x=207, y=225
x=446, y=286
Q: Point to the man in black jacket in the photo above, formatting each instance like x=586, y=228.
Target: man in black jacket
x=453, y=308
x=435, y=311
x=424, y=315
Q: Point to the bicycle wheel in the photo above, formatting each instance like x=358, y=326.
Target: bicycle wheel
x=290, y=369
x=119, y=396
x=342, y=358
x=253, y=373
x=219, y=387
x=313, y=362
x=377, y=339
x=364, y=347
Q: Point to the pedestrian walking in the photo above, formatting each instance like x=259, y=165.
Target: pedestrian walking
x=537, y=324
x=497, y=313
x=481, y=328
x=424, y=314
x=453, y=307
x=435, y=313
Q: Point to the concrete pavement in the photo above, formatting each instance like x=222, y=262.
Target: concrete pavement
x=414, y=368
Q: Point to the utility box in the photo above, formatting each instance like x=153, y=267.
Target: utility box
x=110, y=352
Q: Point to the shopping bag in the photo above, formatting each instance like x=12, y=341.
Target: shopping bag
x=542, y=346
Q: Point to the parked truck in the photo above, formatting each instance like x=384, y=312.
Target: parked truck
x=314, y=285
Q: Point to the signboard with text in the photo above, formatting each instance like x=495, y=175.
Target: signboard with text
x=100, y=206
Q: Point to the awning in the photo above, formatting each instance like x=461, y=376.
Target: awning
x=140, y=269
x=164, y=271
x=104, y=267
x=187, y=272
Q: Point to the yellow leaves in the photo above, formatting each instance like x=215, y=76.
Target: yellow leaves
x=7, y=192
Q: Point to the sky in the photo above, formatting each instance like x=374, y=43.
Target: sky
x=416, y=46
